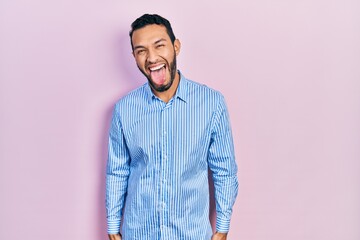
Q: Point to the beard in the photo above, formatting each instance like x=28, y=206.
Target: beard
x=163, y=88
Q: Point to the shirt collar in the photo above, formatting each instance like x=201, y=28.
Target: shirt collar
x=181, y=91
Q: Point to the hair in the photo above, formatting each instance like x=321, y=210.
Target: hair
x=149, y=19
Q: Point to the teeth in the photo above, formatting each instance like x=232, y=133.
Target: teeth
x=157, y=67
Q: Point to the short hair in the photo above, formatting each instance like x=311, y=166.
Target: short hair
x=148, y=19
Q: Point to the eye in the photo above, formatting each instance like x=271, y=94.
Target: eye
x=140, y=52
x=160, y=46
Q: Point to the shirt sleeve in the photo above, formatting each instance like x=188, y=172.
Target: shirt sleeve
x=117, y=173
x=222, y=164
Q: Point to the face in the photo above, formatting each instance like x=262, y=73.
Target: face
x=155, y=55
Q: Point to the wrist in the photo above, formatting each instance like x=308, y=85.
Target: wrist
x=114, y=236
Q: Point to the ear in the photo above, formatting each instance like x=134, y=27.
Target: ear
x=177, y=46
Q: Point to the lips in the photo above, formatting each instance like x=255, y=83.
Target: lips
x=157, y=73
x=155, y=68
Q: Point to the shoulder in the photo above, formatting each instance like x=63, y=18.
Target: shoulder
x=133, y=98
x=202, y=92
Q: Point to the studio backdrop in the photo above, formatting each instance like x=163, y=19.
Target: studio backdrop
x=290, y=74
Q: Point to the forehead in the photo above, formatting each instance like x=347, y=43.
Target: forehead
x=149, y=34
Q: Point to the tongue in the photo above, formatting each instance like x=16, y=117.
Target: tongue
x=158, y=76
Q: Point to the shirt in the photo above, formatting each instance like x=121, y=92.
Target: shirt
x=158, y=161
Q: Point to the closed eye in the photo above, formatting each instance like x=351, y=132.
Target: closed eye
x=140, y=51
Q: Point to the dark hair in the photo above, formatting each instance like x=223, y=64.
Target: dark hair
x=148, y=19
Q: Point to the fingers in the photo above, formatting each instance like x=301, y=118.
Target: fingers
x=114, y=237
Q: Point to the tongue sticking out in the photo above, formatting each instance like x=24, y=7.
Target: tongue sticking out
x=158, y=76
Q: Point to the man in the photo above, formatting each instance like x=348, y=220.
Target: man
x=163, y=138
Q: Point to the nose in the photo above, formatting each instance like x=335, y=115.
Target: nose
x=152, y=56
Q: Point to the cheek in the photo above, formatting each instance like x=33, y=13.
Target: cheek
x=168, y=55
x=140, y=62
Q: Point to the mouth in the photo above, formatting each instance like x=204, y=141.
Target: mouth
x=157, y=73
x=156, y=68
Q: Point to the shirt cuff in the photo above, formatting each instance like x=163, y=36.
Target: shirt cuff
x=222, y=225
x=113, y=226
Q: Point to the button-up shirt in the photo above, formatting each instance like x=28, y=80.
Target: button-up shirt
x=158, y=161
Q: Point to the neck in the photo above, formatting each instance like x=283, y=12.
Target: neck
x=168, y=94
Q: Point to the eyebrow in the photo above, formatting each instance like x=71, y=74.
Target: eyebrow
x=156, y=42
x=137, y=47
x=160, y=40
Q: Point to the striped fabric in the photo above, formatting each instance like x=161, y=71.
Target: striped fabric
x=159, y=155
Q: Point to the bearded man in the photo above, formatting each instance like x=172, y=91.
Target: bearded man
x=164, y=136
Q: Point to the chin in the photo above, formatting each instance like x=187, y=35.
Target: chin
x=161, y=88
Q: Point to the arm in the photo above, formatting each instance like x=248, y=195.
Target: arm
x=117, y=174
x=223, y=167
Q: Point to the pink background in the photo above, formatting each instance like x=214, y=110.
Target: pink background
x=290, y=72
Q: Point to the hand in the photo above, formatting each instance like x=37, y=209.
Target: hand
x=115, y=236
x=219, y=236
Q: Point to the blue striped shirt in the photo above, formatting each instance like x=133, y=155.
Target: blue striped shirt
x=159, y=156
